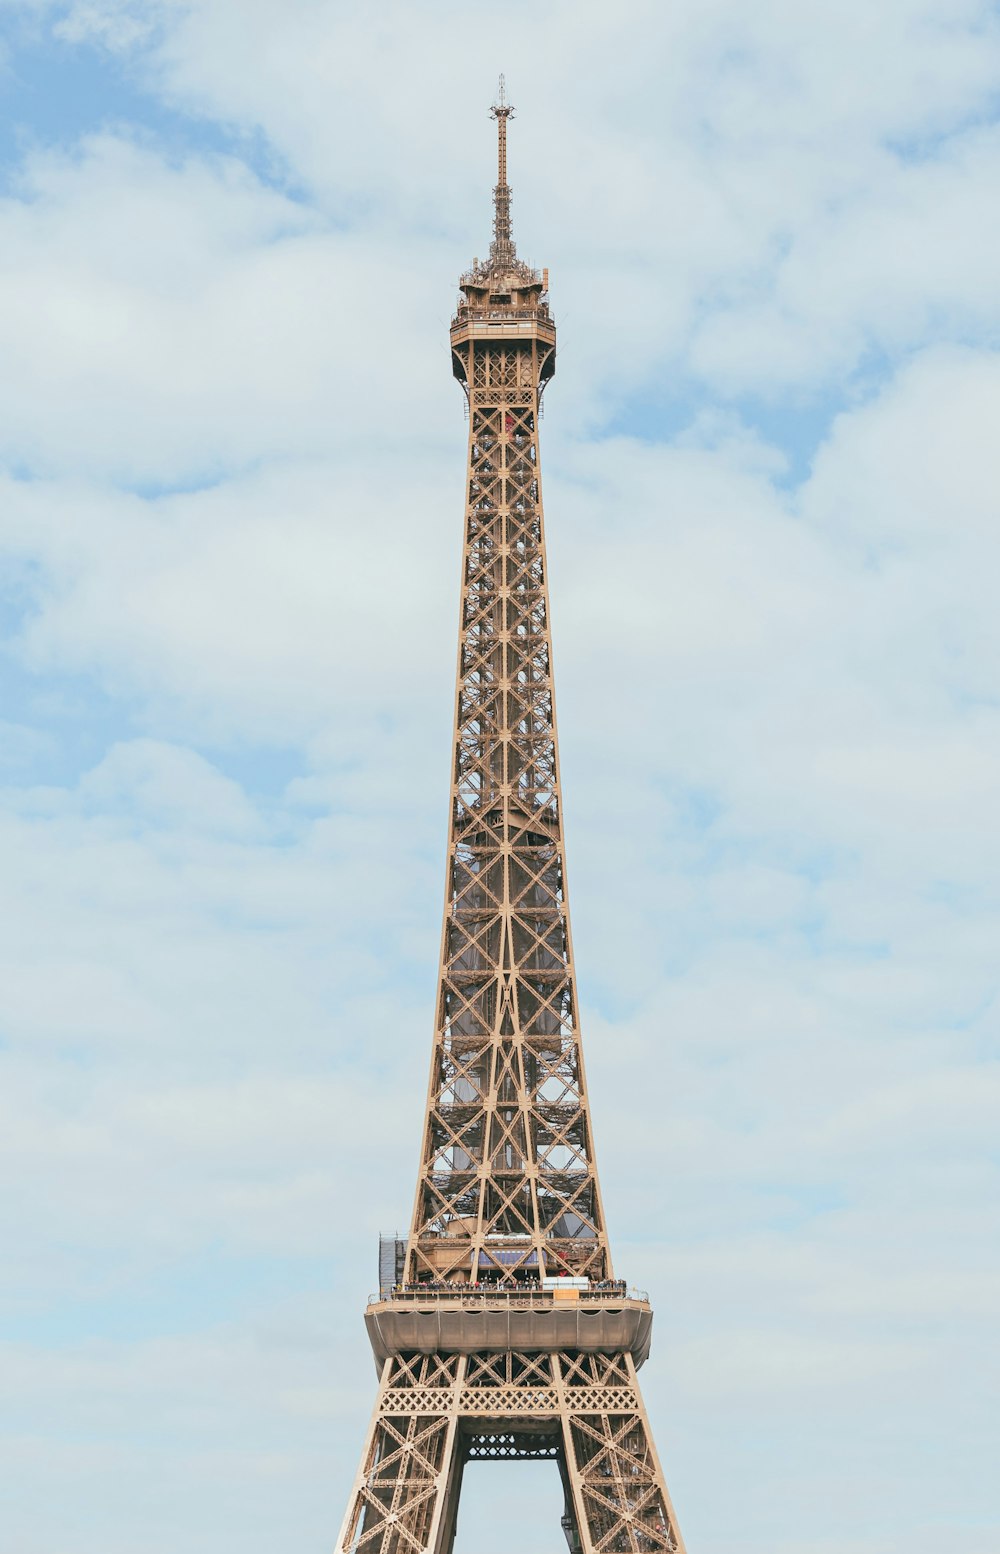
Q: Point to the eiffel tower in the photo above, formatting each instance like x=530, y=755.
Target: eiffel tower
x=500, y=1331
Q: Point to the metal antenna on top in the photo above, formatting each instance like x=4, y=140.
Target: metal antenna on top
x=502, y=249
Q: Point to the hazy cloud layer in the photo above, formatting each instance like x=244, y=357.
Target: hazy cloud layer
x=230, y=499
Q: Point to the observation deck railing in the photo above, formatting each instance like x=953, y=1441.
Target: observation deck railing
x=467, y=310
x=517, y=1298
x=502, y=315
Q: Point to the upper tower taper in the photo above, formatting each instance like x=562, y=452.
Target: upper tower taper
x=504, y=298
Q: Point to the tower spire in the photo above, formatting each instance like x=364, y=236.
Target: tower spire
x=502, y=251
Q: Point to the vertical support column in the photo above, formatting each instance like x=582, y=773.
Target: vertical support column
x=661, y=1481
x=579, y=1533
x=355, y=1505
x=441, y=1534
x=445, y=1541
x=619, y=1493
x=405, y=1493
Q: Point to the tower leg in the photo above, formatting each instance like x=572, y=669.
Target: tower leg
x=617, y=1492
x=584, y=1409
x=405, y=1495
x=570, y=1525
x=449, y=1515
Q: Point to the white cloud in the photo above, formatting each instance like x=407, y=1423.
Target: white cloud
x=758, y=200
x=259, y=606
x=226, y=1404
x=778, y=711
x=152, y=779
x=165, y=322
x=119, y=25
x=770, y=160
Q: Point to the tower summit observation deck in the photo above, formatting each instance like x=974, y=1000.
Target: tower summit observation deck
x=499, y=1330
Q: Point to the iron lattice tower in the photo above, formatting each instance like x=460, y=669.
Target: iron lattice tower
x=499, y=1330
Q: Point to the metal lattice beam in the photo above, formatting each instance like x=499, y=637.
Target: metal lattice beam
x=507, y=1189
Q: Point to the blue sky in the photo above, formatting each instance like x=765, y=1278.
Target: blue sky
x=230, y=518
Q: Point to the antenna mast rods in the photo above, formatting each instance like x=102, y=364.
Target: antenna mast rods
x=503, y=247
x=502, y=111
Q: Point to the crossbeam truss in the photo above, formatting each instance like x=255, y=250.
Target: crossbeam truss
x=507, y=1181
x=507, y=1190
x=436, y=1412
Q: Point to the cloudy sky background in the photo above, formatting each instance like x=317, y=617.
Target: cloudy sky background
x=230, y=520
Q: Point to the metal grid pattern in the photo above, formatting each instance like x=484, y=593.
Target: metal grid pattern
x=434, y=1413
x=507, y=1088
x=507, y=1188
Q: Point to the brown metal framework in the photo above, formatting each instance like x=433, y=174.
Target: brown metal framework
x=507, y=1335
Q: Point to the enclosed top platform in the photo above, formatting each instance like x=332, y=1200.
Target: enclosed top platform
x=467, y=1321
